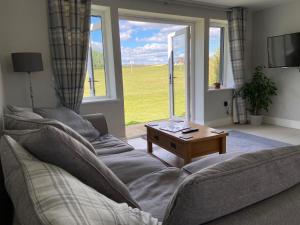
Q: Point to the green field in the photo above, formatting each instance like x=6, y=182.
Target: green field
x=146, y=92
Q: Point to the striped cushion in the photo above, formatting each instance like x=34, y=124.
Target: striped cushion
x=12, y=122
x=53, y=146
x=44, y=194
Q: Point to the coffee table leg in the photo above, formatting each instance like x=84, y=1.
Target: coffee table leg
x=149, y=147
x=223, y=145
x=188, y=157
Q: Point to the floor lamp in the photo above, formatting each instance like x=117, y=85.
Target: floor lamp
x=27, y=62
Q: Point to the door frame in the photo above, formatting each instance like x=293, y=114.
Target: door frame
x=195, y=24
x=187, y=36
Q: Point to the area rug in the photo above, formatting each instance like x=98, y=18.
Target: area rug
x=242, y=142
x=239, y=141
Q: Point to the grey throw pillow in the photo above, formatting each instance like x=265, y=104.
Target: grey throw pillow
x=72, y=119
x=22, y=112
x=44, y=194
x=12, y=122
x=58, y=148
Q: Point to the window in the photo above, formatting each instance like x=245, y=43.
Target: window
x=216, y=55
x=100, y=77
x=95, y=82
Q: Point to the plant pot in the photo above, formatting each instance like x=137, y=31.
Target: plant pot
x=217, y=85
x=256, y=120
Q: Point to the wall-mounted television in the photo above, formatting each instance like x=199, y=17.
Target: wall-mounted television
x=284, y=51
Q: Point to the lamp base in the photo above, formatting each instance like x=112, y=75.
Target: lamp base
x=31, y=90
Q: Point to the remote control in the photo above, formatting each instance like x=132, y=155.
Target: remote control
x=190, y=130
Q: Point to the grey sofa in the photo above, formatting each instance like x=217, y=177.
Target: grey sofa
x=234, y=189
x=270, y=199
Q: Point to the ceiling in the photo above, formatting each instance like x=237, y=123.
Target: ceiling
x=252, y=4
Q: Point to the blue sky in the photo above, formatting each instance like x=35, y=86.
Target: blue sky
x=146, y=43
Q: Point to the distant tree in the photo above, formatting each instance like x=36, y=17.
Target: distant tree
x=98, y=62
x=214, y=68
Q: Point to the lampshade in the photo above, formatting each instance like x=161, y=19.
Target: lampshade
x=27, y=61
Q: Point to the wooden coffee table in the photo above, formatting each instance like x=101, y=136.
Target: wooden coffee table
x=203, y=142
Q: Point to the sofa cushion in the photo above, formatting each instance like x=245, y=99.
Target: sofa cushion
x=209, y=160
x=17, y=123
x=72, y=119
x=44, y=194
x=154, y=191
x=232, y=185
x=281, y=209
x=22, y=112
x=98, y=121
x=108, y=144
x=129, y=166
x=58, y=148
x=6, y=207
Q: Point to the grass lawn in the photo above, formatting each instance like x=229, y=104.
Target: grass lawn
x=146, y=92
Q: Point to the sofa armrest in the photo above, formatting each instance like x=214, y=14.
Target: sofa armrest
x=98, y=121
x=232, y=185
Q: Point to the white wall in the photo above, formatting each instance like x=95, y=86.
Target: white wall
x=24, y=28
x=279, y=20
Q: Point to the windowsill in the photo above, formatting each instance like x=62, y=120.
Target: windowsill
x=221, y=89
x=98, y=100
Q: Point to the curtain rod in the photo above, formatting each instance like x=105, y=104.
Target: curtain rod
x=193, y=3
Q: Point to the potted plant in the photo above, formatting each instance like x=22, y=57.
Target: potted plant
x=217, y=85
x=258, y=93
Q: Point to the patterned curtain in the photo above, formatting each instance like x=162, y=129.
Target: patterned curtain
x=69, y=26
x=237, y=31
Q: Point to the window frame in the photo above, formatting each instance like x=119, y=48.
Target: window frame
x=225, y=59
x=108, y=58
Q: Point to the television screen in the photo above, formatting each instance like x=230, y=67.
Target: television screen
x=284, y=51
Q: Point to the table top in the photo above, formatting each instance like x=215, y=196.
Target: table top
x=204, y=133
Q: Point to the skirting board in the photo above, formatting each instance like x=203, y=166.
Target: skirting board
x=218, y=122
x=282, y=122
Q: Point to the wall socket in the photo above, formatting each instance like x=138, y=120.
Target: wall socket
x=228, y=107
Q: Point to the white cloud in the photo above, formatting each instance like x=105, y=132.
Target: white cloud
x=155, y=47
x=159, y=37
x=214, y=33
x=153, y=36
x=155, y=53
x=126, y=35
x=162, y=35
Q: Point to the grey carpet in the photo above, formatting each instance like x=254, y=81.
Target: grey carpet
x=239, y=141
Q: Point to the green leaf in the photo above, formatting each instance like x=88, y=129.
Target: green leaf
x=258, y=92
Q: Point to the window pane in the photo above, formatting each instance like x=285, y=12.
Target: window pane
x=95, y=83
x=215, y=54
x=179, y=96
